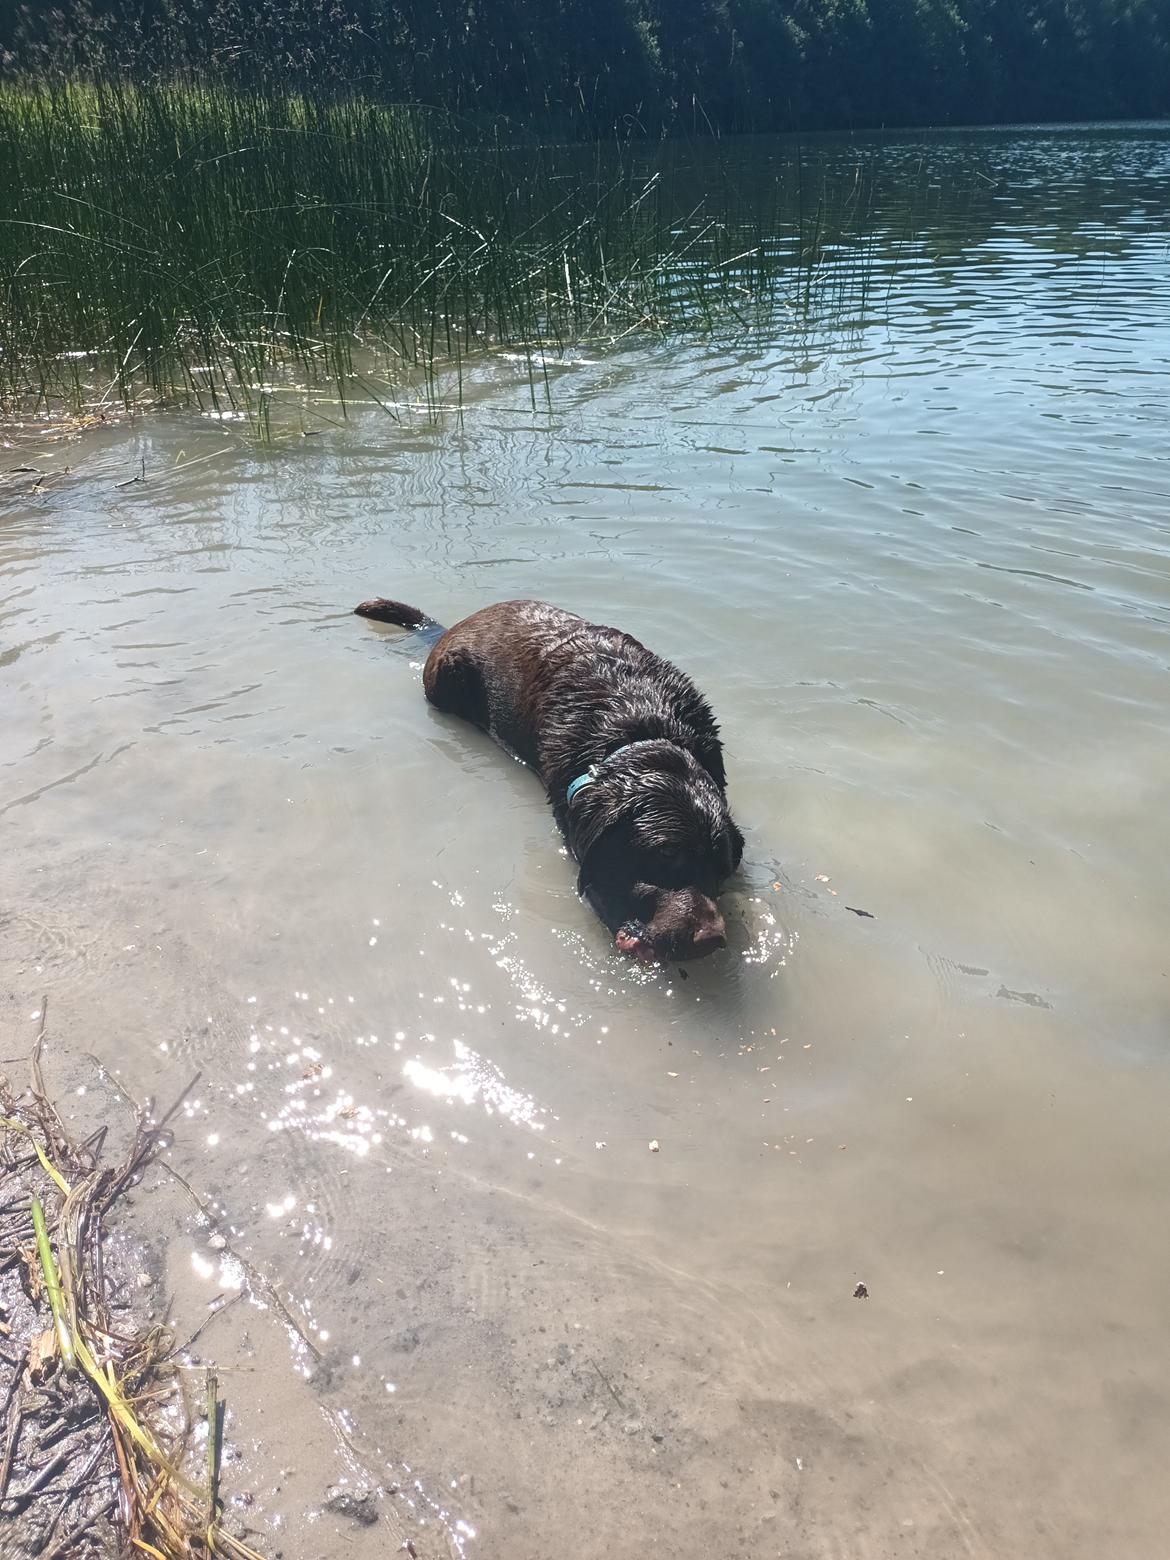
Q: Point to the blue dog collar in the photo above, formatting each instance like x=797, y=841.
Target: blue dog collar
x=579, y=784
x=592, y=772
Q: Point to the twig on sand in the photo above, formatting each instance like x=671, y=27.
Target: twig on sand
x=609, y=1385
x=70, y=1543
x=14, y=1422
x=256, y=1280
x=185, y=1348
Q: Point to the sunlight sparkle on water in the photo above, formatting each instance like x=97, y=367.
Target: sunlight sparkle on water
x=226, y=1271
x=471, y=1077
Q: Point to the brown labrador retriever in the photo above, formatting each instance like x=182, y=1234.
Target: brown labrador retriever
x=628, y=751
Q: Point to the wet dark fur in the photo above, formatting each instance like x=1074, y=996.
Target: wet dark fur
x=652, y=833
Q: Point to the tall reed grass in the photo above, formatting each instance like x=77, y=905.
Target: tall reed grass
x=200, y=244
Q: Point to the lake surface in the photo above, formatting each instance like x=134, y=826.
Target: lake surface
x=918, y=556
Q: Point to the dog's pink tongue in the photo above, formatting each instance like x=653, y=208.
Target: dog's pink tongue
x=636, y=947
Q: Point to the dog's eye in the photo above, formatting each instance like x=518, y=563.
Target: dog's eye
x=670, y=871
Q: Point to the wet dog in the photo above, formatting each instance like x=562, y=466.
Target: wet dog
x=628, y=751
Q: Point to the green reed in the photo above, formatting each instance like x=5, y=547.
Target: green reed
x=201, y=245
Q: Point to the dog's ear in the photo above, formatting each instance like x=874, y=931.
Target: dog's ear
x=594, y=812
x=737, y=844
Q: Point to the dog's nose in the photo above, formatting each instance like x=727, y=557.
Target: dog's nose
x=709, y=937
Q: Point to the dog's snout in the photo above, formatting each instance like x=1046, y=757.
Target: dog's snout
x=709, y=938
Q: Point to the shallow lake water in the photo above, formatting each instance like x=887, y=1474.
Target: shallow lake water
x=919, y=560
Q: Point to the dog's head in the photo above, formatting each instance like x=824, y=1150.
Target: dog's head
x=655, y=842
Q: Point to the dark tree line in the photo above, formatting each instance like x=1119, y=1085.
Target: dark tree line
x=727, y=64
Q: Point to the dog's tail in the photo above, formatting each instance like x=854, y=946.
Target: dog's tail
x=397, y=612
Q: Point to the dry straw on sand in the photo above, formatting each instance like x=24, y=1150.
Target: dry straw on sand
x=99, y=1418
